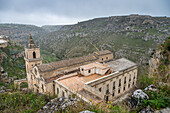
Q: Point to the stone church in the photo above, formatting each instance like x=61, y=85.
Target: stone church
x=96, y=76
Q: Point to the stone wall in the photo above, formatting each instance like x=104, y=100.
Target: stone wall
x=109, y=85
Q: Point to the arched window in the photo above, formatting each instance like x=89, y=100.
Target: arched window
x=34, y=54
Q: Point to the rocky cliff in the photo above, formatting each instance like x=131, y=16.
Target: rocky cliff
x=159, y=64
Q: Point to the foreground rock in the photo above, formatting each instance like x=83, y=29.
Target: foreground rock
x=166, y=110
x=58, y=104
x=151, y=88
x=139, y=94
x=147, y=110
x=86, y=111
x=135, y=100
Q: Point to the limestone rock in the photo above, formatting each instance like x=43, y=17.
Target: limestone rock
x=86, y=111
x=150, y=88
x=147, y=110
x=57, y=104
x=2, y=91
x=166, y=110
x=139, y=94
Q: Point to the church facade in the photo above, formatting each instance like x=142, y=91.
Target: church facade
x=96, y=76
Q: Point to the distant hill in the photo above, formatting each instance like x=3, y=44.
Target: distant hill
x=20, y=32
x=133, y=37
x=51, y=28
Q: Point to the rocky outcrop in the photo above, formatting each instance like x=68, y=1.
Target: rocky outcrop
x=165, y=110
x=2, y=56
x=58, y=104
x=159, y=64
x=139, y=94
x=150, y=88
x=147, y=110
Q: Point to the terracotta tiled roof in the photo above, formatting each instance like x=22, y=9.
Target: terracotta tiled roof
x=49, y=70
x=65, y=63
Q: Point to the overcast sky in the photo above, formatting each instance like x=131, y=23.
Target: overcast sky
x=59, y=12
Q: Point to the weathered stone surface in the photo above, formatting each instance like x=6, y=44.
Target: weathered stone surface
x=86, y=111
x=166, y=110
x=2, y=91
x=139, y=94
x=147, y=110
x=57, y=104
x=135, y=100
x=150, y=88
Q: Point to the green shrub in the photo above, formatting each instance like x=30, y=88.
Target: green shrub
x=157, y=100
x=146, y=81
x=20, y=102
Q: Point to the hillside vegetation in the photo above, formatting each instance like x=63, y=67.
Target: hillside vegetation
x=13, y=64
x=51, y=28
x=20, y=32
x=133, y=37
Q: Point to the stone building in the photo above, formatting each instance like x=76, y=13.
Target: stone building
x=95, y=76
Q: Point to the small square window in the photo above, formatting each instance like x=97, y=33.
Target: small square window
x=89, y=71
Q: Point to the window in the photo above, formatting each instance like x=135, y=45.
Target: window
x=119, y=82
x=119, y=91
x=107, y=86
x=134, y=77
x=102, y=59
x=113, y=94
x=133, y=83
x=124, y=88
x=54, y=88
x=107, y=91
x=63, y=94
x=57, y=90
x=113, y=85
x=125, y=80
x=82, y=69
x=129, y=86
x=34, y=54
x=100, y=89
x=130, y=77
x=89, y=71
x=106, y=57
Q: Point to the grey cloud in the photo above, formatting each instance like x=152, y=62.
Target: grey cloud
x=82, y=9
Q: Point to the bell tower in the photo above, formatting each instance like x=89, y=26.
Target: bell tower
x=32, y=56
